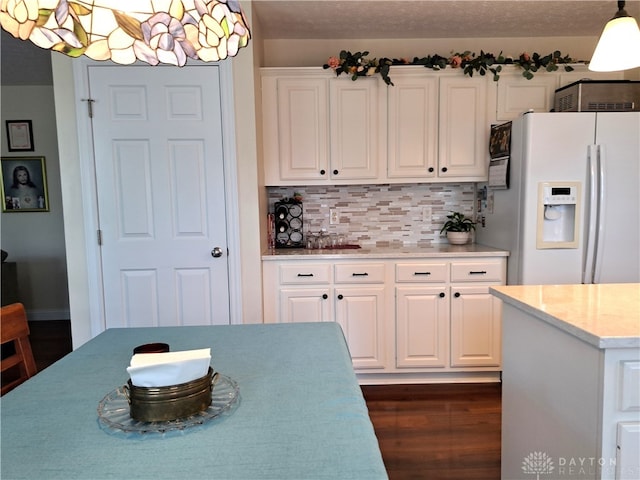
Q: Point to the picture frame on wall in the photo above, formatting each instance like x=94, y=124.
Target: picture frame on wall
x=24, y=184
x=19, y=135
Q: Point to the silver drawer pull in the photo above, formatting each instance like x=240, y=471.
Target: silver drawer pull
x=481, y=272
x=365, y=274
x=422, y=273
x=305, y=274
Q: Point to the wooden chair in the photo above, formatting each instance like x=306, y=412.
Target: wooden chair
x=19, y=364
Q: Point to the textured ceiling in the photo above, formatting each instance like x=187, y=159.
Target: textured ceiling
x=25, y=64
x=326, y=19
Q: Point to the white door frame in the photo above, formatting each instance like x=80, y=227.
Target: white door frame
x=90, y=196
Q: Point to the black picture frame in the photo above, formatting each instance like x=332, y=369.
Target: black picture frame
x=24, y=184
x=19, y=135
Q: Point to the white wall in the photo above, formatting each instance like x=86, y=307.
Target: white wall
x=35, y=240
x=307, y=53
x=314, y=53
x=251, y=197
x=82, y=307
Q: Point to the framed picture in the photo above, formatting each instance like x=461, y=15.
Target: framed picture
x=24, y=184
x=19, y=136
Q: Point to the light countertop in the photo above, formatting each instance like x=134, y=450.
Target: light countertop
x=603, y=315
x=432, y=251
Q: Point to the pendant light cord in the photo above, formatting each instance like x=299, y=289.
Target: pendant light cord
x=621, y=11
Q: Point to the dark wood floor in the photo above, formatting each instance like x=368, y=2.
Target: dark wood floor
x=435, y=432
x=438, y=431
x=50, y=341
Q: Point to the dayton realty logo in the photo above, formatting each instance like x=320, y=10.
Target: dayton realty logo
x=537, y=463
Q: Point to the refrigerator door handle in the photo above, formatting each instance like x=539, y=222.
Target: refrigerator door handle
x=592, y=216
x=597, y=268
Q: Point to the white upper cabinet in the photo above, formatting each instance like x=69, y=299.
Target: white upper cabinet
x=516, y=94
x=325, y=130
x=412, y=126
x=463, y=128
x=295, y=128
x=319, y=129
x=357, y=125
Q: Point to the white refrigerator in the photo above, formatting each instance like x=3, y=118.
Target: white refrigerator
x=571, y=212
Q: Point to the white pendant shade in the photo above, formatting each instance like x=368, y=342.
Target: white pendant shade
x=125, y=31
x=619, y=46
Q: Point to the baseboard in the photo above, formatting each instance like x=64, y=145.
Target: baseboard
x=44, y=315
x=398, y=378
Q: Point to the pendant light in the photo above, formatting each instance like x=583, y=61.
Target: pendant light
x=619, y=44
x=125, y=31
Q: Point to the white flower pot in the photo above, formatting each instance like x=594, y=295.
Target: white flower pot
x=458, y=238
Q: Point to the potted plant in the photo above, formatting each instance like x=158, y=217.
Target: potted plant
x=458, y=228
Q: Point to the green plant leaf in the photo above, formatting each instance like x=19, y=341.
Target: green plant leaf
x=470, y=63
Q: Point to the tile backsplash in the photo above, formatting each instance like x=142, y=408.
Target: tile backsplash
x=406, y=214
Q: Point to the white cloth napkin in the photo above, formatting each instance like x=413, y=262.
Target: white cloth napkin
x=171, y=368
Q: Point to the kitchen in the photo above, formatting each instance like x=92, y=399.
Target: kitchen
x=278, y=53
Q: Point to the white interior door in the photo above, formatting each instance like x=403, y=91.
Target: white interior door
x=161, y=200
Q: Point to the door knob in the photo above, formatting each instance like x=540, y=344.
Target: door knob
x=216, y=252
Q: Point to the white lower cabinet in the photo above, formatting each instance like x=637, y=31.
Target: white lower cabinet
x=305, y=305
x=475, y=327
x=422, y=333
x=360, y=313
x=404, y=320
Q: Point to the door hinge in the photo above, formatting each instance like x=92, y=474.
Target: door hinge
x=89, y=105
x=99, y=232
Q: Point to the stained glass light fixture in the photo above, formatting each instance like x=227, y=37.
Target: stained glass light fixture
x=124, y=31
x=619, y=44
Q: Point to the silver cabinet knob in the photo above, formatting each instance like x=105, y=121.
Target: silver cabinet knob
x=216, y=252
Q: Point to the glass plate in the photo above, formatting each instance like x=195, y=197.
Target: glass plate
x=113, y=410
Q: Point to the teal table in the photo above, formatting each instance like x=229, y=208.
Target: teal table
x=301, y=413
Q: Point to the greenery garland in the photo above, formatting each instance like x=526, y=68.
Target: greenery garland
x=358, y=65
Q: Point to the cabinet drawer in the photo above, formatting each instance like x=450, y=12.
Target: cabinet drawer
x=359, y=273
x=421, y=272
x=482, y=271
x=305, y=274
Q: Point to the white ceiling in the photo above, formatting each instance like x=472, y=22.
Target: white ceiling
x=327, y=19
x=24, y=63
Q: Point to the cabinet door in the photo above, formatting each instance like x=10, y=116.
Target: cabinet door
x=356, y=113
x=464, y=130
x=516, y=95
x=301, y=130
x=475, y=327
x=412, y=126
x=628, y=446
x=304, y=305
x=422, y=337
x=360, y=313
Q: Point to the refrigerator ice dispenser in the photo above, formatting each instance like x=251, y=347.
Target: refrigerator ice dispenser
x=558, y=215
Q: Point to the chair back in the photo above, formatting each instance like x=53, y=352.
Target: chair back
x=17, y=361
